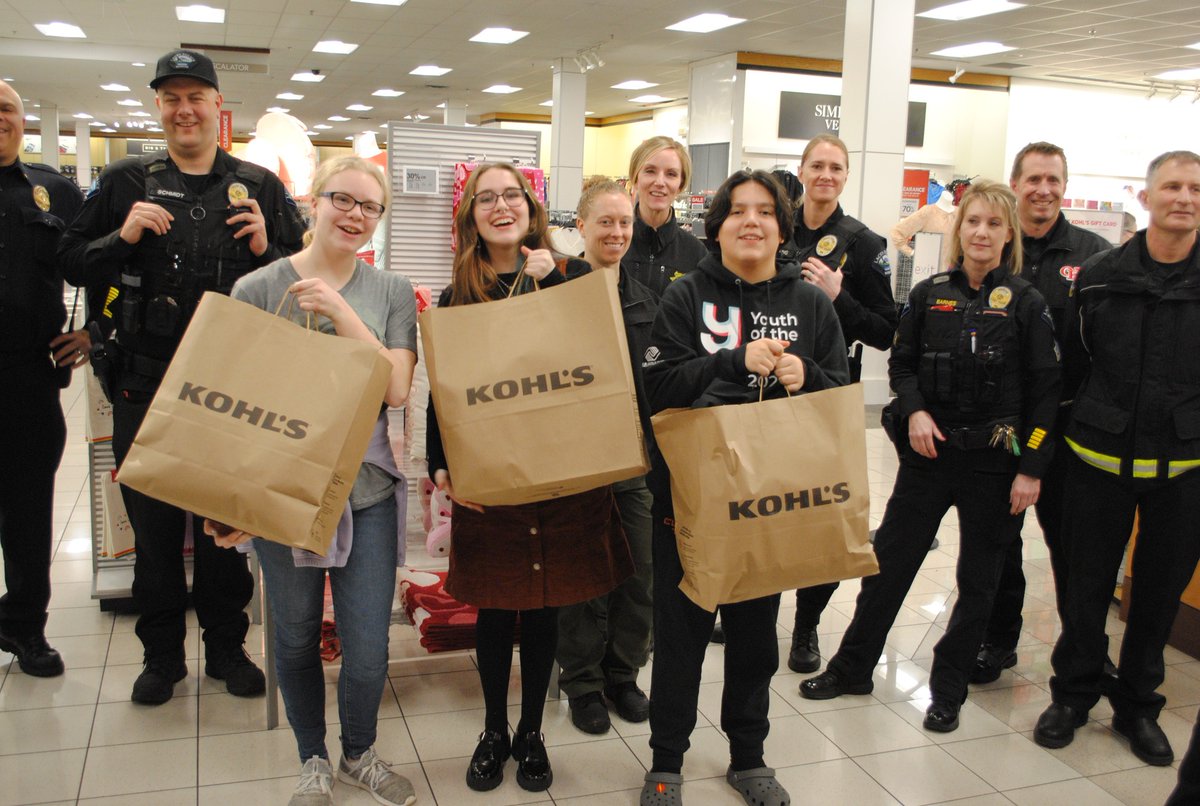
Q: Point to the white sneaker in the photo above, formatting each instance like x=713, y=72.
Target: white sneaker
x=315, y=787
x=373, y=774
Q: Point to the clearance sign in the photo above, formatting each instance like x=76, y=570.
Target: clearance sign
x=225, y=133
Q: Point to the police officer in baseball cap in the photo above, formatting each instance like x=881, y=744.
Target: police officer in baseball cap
x=164, y=229
x=185, y=64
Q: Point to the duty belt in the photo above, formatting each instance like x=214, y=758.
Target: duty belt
x=973, y=438
x=143, y=365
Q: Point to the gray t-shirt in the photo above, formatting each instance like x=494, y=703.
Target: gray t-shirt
x=385, y=303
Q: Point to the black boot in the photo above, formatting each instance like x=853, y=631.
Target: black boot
x=805, y=655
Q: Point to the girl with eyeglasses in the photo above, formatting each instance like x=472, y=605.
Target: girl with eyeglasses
x=521, y=561
x=353, y=300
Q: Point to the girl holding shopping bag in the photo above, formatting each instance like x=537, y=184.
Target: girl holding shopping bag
x=526, y=560
x=357, y=301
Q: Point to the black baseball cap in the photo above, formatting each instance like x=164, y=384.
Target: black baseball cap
x=187, y=64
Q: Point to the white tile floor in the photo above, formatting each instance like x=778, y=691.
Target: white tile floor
x=78, y=739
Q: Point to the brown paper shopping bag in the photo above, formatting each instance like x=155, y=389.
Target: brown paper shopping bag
x=534, y=394
x=768, y=496
x=259, y=424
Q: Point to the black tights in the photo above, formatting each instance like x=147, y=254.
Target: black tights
x=494, y=648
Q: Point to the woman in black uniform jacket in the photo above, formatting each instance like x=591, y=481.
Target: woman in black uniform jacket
x=661, y=251
x=976, y=373
x=840, y=256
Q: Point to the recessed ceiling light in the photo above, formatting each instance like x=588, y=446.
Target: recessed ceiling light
x=199, y=13
x=311, y=133
x=388, y=93
x=359, y=108
x=972, y=50
x=1195, y=46
x=383, y=125
x=634, y=84
x=547, y=103
x=309, y=76
x=499, y=36
x=289, y=96
x=382, y=2
x=82, y=116
x=501, y=89
x=32, y=117
x=705, y=23
x=322, y=126
x=110, y=87
x=649, y=99
x=349, y=137
x=97, y=124
x=6, y=78
x=338, y=118
x=969, y=9
x=138, y=64
x=281, y=110
x=63, y=29
x=139, y=114
x=418, y=117
x=430, y=70
x=1190, y=74
x=108, y=130
x=129, y=102
x=334, y=46
x=154, y=128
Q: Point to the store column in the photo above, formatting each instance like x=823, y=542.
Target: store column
x=49, y=115
x=83, y=154
x=716, y=108
x=876, y=70
x=454, y=113
x=566, y=135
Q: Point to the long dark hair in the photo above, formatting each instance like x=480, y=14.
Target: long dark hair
x=473, y=274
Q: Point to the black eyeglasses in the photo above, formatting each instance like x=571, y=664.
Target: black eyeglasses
x=345, y=202
x=486, y=200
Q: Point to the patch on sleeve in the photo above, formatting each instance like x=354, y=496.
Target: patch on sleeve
x=1035, y=439
x=651, y=356
x=882, y=264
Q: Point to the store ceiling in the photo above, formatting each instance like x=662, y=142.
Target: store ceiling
x=1125, y=43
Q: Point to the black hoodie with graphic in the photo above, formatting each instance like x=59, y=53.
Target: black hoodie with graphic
x=697, y=354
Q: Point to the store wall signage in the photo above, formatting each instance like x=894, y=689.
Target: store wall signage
x=136, y=147
x=239, y=67
x=804, y=115
x=225, y=132
x=420, y=179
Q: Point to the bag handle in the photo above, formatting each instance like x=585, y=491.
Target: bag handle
x=762, y=384
x=290, y=299
x=521, y=279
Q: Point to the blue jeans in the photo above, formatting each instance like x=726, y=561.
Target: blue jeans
x=362, y=600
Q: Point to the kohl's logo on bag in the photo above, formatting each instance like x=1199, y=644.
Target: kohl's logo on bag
x=770, y=505
x=530, y=385
x=222, y=403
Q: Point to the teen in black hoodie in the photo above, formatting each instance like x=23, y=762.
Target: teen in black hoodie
x=738, y=321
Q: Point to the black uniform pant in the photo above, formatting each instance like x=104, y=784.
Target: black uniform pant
x=221, y=581
x=34, y=436
x=1004, y=628
x=1100, y=508
x=978, y=484
x=681, y=635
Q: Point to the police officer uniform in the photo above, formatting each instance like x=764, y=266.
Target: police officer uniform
x=985, y=365
x=866, y=311
x=1133, y=353
x=36, y=204
x=161, y=280
x=1051, y=263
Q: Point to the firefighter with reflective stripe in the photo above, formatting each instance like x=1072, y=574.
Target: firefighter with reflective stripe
x=163, y=230
x=1133, y=369
x=975, y=368
x=849, y=263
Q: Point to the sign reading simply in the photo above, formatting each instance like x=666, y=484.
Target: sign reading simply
x=804, y=115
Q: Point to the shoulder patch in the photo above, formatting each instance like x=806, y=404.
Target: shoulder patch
x=882, y=264
x=940, y=278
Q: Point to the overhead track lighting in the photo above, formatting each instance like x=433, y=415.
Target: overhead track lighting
x=957, y=75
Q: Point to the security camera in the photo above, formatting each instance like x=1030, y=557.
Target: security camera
x=316, y=71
